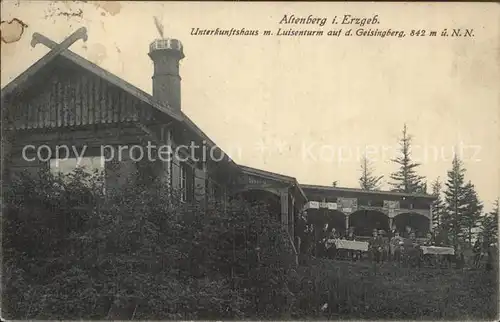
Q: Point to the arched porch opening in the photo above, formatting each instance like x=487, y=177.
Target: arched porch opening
x=420, y=224
x=322, y=217
x=365, y=221
x=262, y=198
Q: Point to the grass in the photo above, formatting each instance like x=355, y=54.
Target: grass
x=364, y=291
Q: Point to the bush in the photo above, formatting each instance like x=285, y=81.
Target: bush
x=72, y=252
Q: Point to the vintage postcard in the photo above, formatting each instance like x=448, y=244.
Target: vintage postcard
x=250, y=160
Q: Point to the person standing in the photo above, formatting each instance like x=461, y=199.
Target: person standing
x=407, y=232
x=459, y=257
x=392, y=232
x=476, y=249
x=395, y=246
x=427, y=259
x=350, y=234
x=330, y=246
x=351, y=254
x=384, y=240
x=492, y=260
x=375, y=247
x=416, y=251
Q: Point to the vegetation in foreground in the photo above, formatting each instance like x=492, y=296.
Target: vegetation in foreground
x=70, y=253
x=362, y=291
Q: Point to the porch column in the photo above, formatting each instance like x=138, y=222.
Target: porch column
x=391, y=220
x=346, y=222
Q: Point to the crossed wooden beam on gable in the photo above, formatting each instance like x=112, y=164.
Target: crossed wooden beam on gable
x=56, y=49
x=81, y=33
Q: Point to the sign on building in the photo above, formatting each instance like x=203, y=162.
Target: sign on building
x=331, y=206
x=318, y=205
x=256, y=180
x=391, y=204
x=328, y=205
x=347, y=205
x=312, y=205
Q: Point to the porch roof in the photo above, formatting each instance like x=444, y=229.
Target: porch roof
x=275, y=176
x=368, y=192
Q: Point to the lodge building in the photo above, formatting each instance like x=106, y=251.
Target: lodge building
x=65, y=99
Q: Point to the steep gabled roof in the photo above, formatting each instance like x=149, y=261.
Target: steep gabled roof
x=29, y=73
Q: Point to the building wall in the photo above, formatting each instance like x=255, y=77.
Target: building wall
x=67, y=105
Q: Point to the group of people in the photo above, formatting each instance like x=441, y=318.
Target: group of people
x=328, y=248
x=396, y=247
x=403, y=248
x=406, y=249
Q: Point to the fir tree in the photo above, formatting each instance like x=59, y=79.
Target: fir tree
x=472, y=214
x=489, y=225
x=406, y=178
x=456, y=203
x=368, y=181
x=438, y=206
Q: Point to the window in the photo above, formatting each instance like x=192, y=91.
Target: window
x=87, y=164
x=187, y=183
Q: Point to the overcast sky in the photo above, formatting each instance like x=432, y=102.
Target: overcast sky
x=313, y=103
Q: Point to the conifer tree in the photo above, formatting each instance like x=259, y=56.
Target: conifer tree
x=470, y=218
x=438, y=206
x=406, y=178
x=489, y=224
x=368, y=181
x=456, y=203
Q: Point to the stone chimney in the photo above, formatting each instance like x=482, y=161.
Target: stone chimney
x=166, y=54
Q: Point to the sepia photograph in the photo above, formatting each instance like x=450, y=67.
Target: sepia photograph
x=168, y=160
